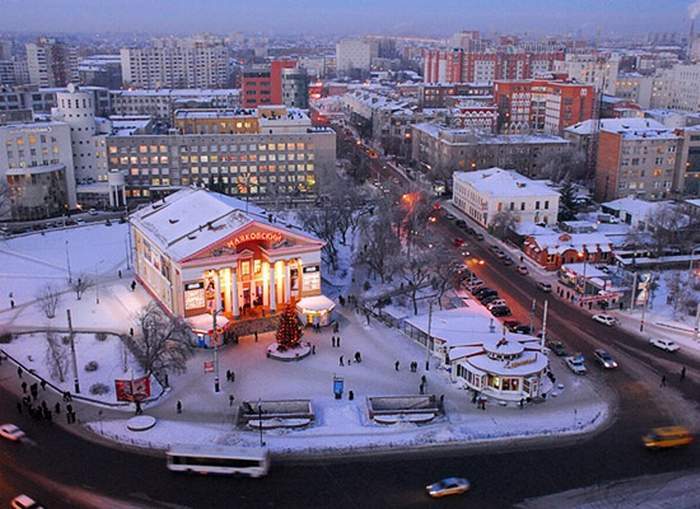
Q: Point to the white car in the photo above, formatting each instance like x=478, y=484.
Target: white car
x=11, y=432
x=449, y=486
x=575, y=364
x=496, y=303
x=605, y=319
x=24, y=502
x=664, y=344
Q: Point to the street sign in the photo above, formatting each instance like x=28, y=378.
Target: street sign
x=338, y=384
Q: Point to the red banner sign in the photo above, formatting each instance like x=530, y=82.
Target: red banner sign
x=137, y=389
x=208, y=366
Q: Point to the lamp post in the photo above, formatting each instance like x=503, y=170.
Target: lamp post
x=70, y=276
x=260, y=427
x=97, y=283
x=427, y=340
x=584, y=254
x=215, y=340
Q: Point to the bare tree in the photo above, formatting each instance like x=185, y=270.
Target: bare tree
x=56, y=357
x=569, y=164
x=417, y=272
x=323, y=222
x=382, y=246
x=446, y=267
x=667, y=226
x=502, y=222
x=163, y=344
x=4, y=199
x=80, y=285
x=47, y=300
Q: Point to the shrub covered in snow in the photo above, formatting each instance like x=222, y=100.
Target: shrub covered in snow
x=91, y=366
x=99, y=388
x=101, y=336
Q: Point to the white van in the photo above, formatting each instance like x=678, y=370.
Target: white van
x=218, y=459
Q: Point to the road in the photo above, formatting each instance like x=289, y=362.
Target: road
x=501, y=475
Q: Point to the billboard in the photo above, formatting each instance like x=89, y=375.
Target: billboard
x=136, y=389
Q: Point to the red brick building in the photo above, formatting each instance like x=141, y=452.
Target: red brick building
x=551, y=251
x=262, y=85
x=541, y=105
x=459, y=66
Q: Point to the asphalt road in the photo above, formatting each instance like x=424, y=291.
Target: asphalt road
x=63, y=470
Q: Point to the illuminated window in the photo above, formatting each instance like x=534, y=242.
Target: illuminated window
x=143, y=149
x=245, y=268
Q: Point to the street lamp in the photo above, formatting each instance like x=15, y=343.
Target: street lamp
x=215, y=340
x=262, y=442
x=97, y=283
x=584, y=254
x=427, y=340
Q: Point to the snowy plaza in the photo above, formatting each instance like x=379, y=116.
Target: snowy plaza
x=575, y=404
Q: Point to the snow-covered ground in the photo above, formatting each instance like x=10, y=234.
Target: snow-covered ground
x=343, y=425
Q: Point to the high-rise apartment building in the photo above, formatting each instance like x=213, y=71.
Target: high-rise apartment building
x=599, y=70
x=262, y=84
x=51, y=63
x=543, y=106
x=197, y=62
x=355, y=54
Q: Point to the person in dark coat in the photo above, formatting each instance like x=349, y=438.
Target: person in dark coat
x=24, y=387
x=133, y=286
x=43, y=385
x=57, y=408
x=396, y=365
x=340, y=361
x=179, y=407
x=351, y=395
x=19, y=407
x=19, y=371
x=682, y=373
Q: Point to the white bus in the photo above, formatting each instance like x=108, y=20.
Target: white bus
x=208, y=459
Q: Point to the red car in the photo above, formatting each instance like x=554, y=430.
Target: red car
x=458, y=242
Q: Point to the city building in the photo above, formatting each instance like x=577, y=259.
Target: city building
x=101, y=71
x=635, y=157
x=677, y=88
x=688, y=161
x=295, y=88
x=435, y=95
x=552, y=250
x=51, y=63
x=36, y=161
x=262, y=84
x=545, y=106
x=195, y=62
x=597, y=69
x=197, y=251
x=161, y=103
x=355, y=54
x=635, y=87
x=482, y=194
x=460, y=66
x=440, y=150
x=281, y=158
x=470, y=114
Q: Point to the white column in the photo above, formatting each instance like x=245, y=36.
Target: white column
x=287, y=282
x=273, y=290
x=217, y=289
x=227, y=290
x=266, y=284
x=234, y=293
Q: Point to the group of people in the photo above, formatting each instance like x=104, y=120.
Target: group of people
x=42, y=411
x=357, y=357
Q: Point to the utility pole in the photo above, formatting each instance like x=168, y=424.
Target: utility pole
x=74, y=359
x=544, y=323
x=427, y=340
x=215, y=340
x=634, y=292
x=70, y=276
x=644, y=312
x=532, y=315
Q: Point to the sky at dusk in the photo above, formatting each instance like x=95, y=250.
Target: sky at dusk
x=436, y=17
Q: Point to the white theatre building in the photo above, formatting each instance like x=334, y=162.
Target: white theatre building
x=199, y=251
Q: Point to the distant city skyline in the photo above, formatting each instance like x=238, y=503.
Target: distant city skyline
x=407, y=17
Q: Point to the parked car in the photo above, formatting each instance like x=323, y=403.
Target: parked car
x=604, y=358
x=24, y=502
x=666, y=437
x=461, y=223
x=457, y=242
x=558, y=348
x=479, y=236
x=449, y=486
x=522, y=269
x=522, y=329
x=501, y=311
x=605, y=319
x=576, y=364
x=544, y=287
x=488, y=299
x=11, y=432
x=495, y=248
x=664, y=344
x=501, y=255
x=495, y=303
x=449, y=217
x=92, y=212
x=510, y=324
x=485, y=291
x=471, y=231
x=474, y=284
x=506, y=261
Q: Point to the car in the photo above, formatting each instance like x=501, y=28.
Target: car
x=488, y=299
x=461, y=223
x=501, y=255
x=501, y=311
x=576, y=364
x=667, y=437
x=604, y=358
x=664, y=344
x=457, y=242
x=92, y=212
x=24, y=502
x=11, y=432
x=496, y=303
x=522, y=269
x=605, y=319
x=449, y=217
x=449, y=486
x=474, y=284
x=522, y=329
x=495, y=248
x=544, y=287
x=558, y=348
x=465, y=253
x=510, y=324
x=484, y=290
x=506, y=261
x=479, y=236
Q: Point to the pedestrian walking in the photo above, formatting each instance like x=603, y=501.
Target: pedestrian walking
x=422, y=388
x=57, y=408
x=24, y=387
x=351, y=395
x=43, y=385
x=424, y=380
x=396, y=365
x=340, y=361
x=19, y=371
x=442, y=399
x=131, y=332
x=12, y=303
x=332, y=341
x=233, y=376
x=179, y=407
x=358, y=357
x=256, y=336
x=19, y=407
x=167, y=382
x=349, y=360
x=34, y=389
x=133, y=286
x=336, y=327
x=139, y=410
x=522, y=403
x=682, y=373
x=663, y=381
x=230, y=400
x=69, y=408
x=474, y=396
x=119, y=273
x=367, y=315
x=313, y=349
x=228, y=375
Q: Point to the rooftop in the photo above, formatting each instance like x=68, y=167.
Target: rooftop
x=499, y=182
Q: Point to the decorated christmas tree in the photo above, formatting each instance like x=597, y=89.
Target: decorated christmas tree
x=289, y=330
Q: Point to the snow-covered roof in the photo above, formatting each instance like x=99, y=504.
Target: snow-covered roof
x=177, y=92
x=316, y=303
x=35, y=170
x=497, y=182
x=473, y=136
x=630, y=128
x=191, y=219
x=636, y=207
x=562, y=242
